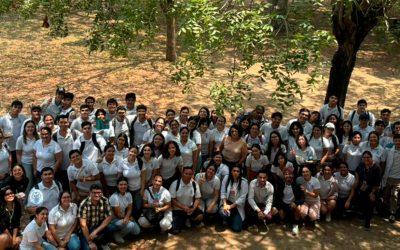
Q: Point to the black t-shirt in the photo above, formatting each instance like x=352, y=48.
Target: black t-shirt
x=16, y=186
x=371, y=176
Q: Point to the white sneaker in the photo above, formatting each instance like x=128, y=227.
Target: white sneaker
x=188, y=224
x=328, y=217
x=118, y=238
x=105, y=247
x=295, y=230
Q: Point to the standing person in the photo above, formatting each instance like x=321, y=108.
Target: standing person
x=261, y=194
x=122, y=146
x=10, y=211
x=195, y=136
x=391, y=178
x=33, y=234
x=95, y=218
x=304, y=155
x=213, y=119
x=380, y=128
x=150, y=161
x=82, y=174
x=188, y=149
x=11, y=125
x=304, y=114
x=53, y=105
x=84, y=117
x=294, y=132
x=205, y=134
x=328, y=193
x=234, y=190
x=255, y=137
x=46, y=153
x=333, y=149
x=67, y=108
x=90, y=101
x=5, y=159
x=139, y=125
x=36, y=117
x=368, y=178
x=108, y=169
x=183, y=116
x=256, y=116
x=363, y=126
x=111, y=111
x=171, y=163
x=210, y=186
x=352, y=152
x=385, y=117
x=185, y=194
x=63, y=221
x=173, y=131
x=378, y=152
x=255, y=162
x=133, y=169
x=233, y=147
x=158, y=142
x=353, y=116
x=204, y=113
x=332, y=107
x=320, y=144
x=245, y=125
x=157, y=201
x=274, y=145
x=275, y=126
x=387, y=141
x=218, y=134
x=100, y=125
x=130, y=100
x=334, y=119
x=315, y=118
x=91, y=145
x=122, y=220
x=158, y=128
x=344, y=135
x=170, y=116
x=65, y=138
x=346, y=189
x=120, y=124
x=50, y=123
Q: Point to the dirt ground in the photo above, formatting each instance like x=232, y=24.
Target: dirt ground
x=32, y=64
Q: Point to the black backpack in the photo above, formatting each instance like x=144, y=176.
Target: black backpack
x=73, y=132
x=178, y=184
x=95, y=142
x=132, y=129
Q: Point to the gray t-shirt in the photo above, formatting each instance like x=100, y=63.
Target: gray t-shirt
x=311, y=186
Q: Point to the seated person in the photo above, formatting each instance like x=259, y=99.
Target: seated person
x=210, y=186
x=328, y=193
x=10, y=212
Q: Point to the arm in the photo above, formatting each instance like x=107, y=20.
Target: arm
x=243, y=153
x=211, y=148
x=179, y=205
x=195, y=157
x=143, y=177
x=103, y=225
x=37, y=246
x=75, y=190
x=324, y=156
x=69, y=233
x=215, y=200
x=85, y=231
x=104, y=184
x=352, y=192
x=314, y=194
x=344, y=157
x=90, y=178
x=58, y=157
x=268, y=200
x=34, y=163
x=19, y=156
x=222, y=145
x=50, y=238
x=54, y=233
x=118, y=213
x=251, y=200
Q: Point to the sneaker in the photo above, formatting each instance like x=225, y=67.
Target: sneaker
x=188, y=224
x=367, y=226
x=118, y=238
x=392, y=219
x=265, y=224
x=105, y=247
x=295, y=230
x=253, y=229
x=328, y=217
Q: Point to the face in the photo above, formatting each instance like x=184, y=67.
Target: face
x=87, y=130
x=281, y=160
x=18, y=172
x=63, y=123
x=130, y=102
x=364, y=122
x=184, y=134
x=184, y=113
x=346, y=127
x=192, y=125
x=276, y=121
x=385, y=117
x=171, y=149
x=112, y=107
x=133, y=152
x=306, y=173
x=47, y=176
x=255, y=151
x=16, y=109
x=9, y=196
x=333, y=119
x=262, y=179
x=187, y=175
x=42, y=216
x=362, y=107
x=110, y=153
x=122, y=186
x=147, y=151
x=327, y=172
x=174, y=127
x=121, y=114
x=36, y=114
x=30, y=128
x=90, y=103
x=220, y=122
x=258, y=114
x=66, y=198
x=45, y=135
x=254, y=130
x=121, y=142
x=67, y=102
x=396, y=143
x=60, y=96
x=235, y=172
x=234, y=133
x=218, y=159
x=302, y=141
x=288, y=178
x=296, y=130
x=397, y=129
x=157, y=140
x=303, y=116
x=101, y=116
x=157, y=182
x=379, y=128
x=245, y=124
x=356, y=139
x=76, y=158
x=214, y=115
x=211, y=171
x=170, y=116
x=202, y=113
x=204, y=127
x=333, y=100
x=329, y=131
x=373, y=139
x=49, y=121
x=317, y=132
x=314, y=117
x=367, y=159
x=274, y=138
x=96, y=194
x=141, y=113
x=85, y=113
x=343, y=170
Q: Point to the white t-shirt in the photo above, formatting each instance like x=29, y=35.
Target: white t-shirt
x=46, y=155
x=344, y=184
x=67, y=144
x=4, y=156
x=307, y=127
x=325, y=111
x=278, y=171
x=185, y=193
x=110, y=171
x=121, y=201
x=12, y=126
x=27, y=149
x=271, y=156
x=150, y=166
x=205, y=141
x=187, y=152
x=163, y=196
x=63, y=220
x=353, y=155
x=33, y=233
x=88, y=169
x=133, y=173
x=222, y=171
x=139, y=130
x=149, y=135
x=90, y=151
x=171, y=137
x=196, y=137
x=319, y=146
x=256, y=165
x=50, y=195
x=364, y=131
x=302, y=156
x=217, y=136
x=208, y=188
x=124, y=153
x=378, y=154
x=168, y=166
x=266, y=129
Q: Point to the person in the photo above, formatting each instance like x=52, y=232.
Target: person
x=150, y=161
x=170, y=116
x=315, y=118
x=25, y=144
x=67, y=108
x=261, y=194
x=111, y=111
x=332, y=107
x=36, y=117
x=353, y=116
x=387, y=141
x=234, y=190
x=171, y=163
x=65, y=138
x=289, y=197
x=279, y=164
x=352, y=152
x=275, y=126
x=158, y=128
x=346, y=189
x=245, y=125
x=205, y=134
x=304, y=114
x=158, y=142
x=63, y=222
x=139, y=125
x=385, y=117
x=173, y=132
x=188, y=148
x=10, y=211
x=53, y=105
x=368, y=178
x=218, y=134
x=311, y=188
x=157, y=200
x=50, y=123
x=204, y=113
x=304, y=155
x=33, y=234
x=222, y=171
x=210, y=186
x=333, y=149
x=344, y=135
x=255, y=162
x=183, y=116
x=134, y=170
x=82, y=174
x=108, y=169
x=320, y=144
x=363, y=126
x=328, y=192
x=255, y=137
x=18, y=182
x=122, y=146
x=380, y=128
x=11, y=125
x=185, y=194
x=95, y=216
x=100, y=125
x=233, y=147
x=90, y=101
x=195, y=136
x=46, y=153
x=122, y=220
x=5, y=159
x=91, y=145
x=378, y=152
x=213, y=119
x=391, y=178
x=120, y=124
x=334, y=119
x=130, y=99
x=84, y=117
x=49, y=189
x=294, y=132
x=257, y=116
x=274, y=145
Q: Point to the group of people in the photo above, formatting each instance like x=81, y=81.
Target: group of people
x=91, y=175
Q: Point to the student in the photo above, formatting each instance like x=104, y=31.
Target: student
x=91, y=145
x=53, y=105
x=210, y=186
x=139, y=125
x=218, y=134
x=385, y=117
x=108, y=169
x=5, y=159
x=36, y=117
x=275, y=125
x=67, y=108
x=361, y=109
x=111, y=111
x=332, y=107
x=256, y=116
x=84, y=117
x=352, y=152
x=158, y=128
x=363, y=126
x=328, y=193
x=183, y=116
x=130, y=99
x=10, y=211
x=304, y=114
x=120, y=124
x=90, y=101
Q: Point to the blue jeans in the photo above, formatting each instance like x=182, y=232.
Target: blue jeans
x=46, y=245
x=106, y=236
x=74, y=243
x=136, y=204
x=123, y=230
x=29, y=174
x=233, y=216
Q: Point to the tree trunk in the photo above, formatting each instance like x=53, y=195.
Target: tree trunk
x=350, y=30
x=171, y=30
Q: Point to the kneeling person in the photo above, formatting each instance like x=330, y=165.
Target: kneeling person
x=261, y=194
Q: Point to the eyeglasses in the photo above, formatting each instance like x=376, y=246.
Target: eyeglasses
x=97, y=193
x=66, y=198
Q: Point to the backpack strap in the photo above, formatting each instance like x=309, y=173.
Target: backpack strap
x=96, y=143
x=352, y=116
x=140, y=162
x=178, y=184
x=82, y=147
x=195, y=189
x=54, y=137
x=151, y=195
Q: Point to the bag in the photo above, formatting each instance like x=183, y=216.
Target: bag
x=150, y=214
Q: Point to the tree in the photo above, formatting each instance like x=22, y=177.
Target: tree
x=352, y=21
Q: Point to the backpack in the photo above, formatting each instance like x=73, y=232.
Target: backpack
x=194, y=188
x=95, y=142
x=58, y=184
x=354, y=113
x=114, y=123
x=132, y=129
x=73, y=132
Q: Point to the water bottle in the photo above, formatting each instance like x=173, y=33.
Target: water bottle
x=156, y=199
x=310, y=158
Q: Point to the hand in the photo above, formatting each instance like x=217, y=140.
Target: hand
x=99, y=159
x=260, y=215
x=186, y=209
x=347, y=205
x=141, y=192
x=62, y=243
x=157, y=209
x=92, y=246
x=125, y=221
x=92, y=236
x=35, y=173
x=210, y=208
x=372, y=196
x=303, y=188
x=66, y=239
x=293, y=206
x=226, y=208
x=191, y=210
x=16, y=242
x=80, y=179
x=101, y=132
x=202, y=180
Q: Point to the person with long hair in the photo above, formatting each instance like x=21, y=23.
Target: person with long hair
x=24, y=148
x=352, y=152
x=368, y=179
x=377, y=151
x=188, y=148
x=213, y=119
x=204, y=113
x=320, y=145
x=171, y=163
x=333, y=149
x=18, y=182
x=295, y=130
x=233, y=147
x=173, y=132
x=218, y=134
x=245, y=123
x=255, y=162
x=255, y=137
x=158, y=128
x=346, y=189
x=195, y=136
x=183, y=116
x=279, y=164
x=210, y=186
x=205, y=134
x=222, y=171
x=122, y=146
x=100, y=116
x=169, y=117
x=50, y=123
x=5, y=159
x=159, y=142
x=108, y=169
x=150, y=161
x=10, y=212
x=334, y=119
x=315, y=118
x=122, y=220
x=63, y=221
x=344, y=135
x=328, y=193
x=274, y=145
x=234, y=191
x=304, y=155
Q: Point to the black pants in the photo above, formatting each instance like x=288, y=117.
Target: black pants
x=63, y=179
x=367, y=206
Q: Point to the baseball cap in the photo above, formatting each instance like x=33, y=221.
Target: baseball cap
x=36, y=108
x=330, y=125
x=60, y=90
